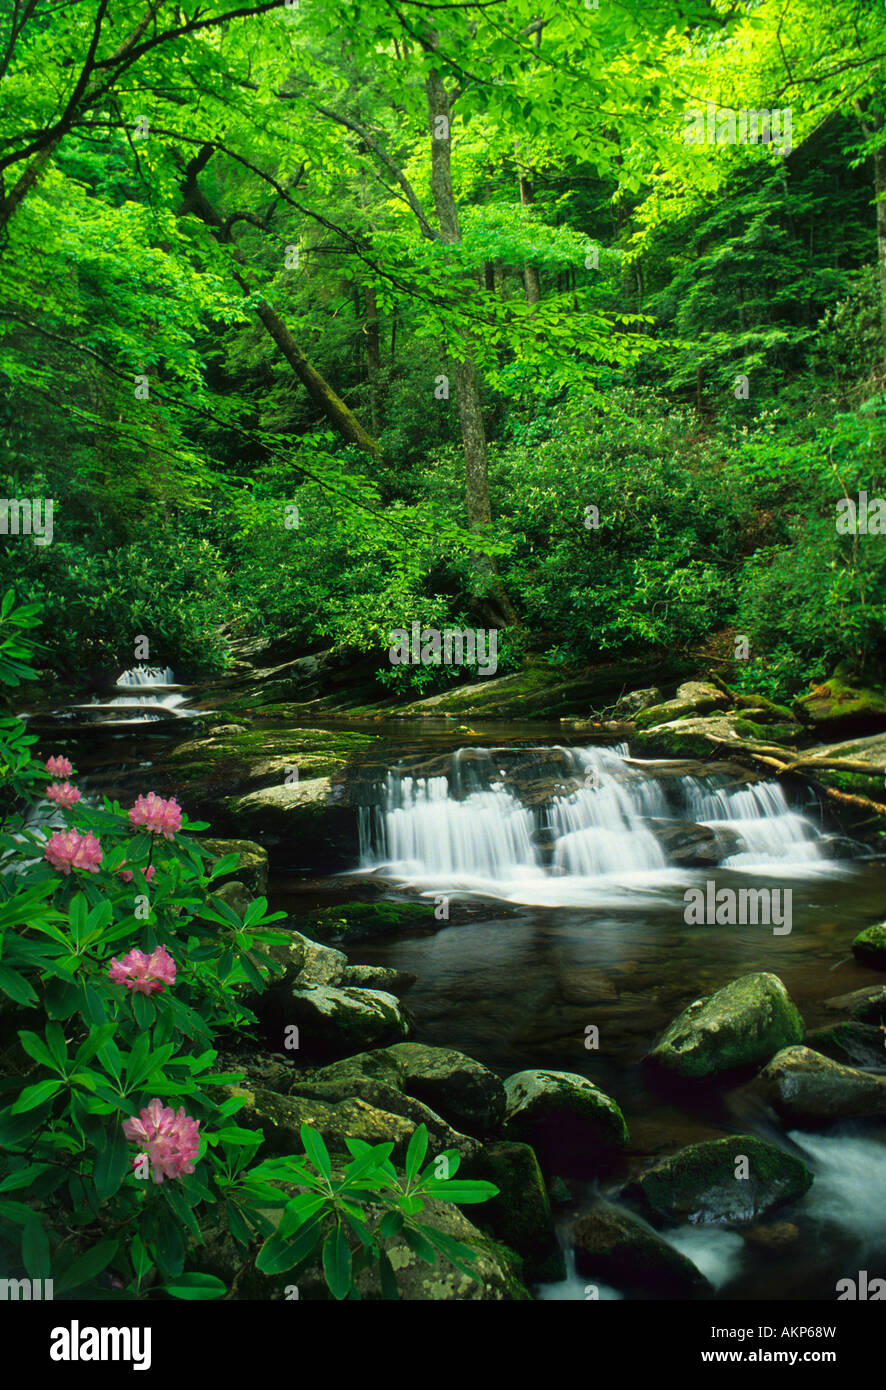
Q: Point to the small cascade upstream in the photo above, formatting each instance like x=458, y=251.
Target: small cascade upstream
x=561, y=826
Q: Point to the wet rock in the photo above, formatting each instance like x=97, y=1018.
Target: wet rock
x=867, y=1005
x=803, y=1086
x=616, y=1246
x=694, y=845
x=777, y=1239
x=732, y=1180
x=635, y=701
x=858, y=1044
x=573, y=1126
x=869, y=947
x=745, y=1022
x=339, y=1020
x=466, y=1093
x=521, y=1214
x=378, y=977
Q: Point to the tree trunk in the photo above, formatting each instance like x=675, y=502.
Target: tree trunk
x=373, y=358
x=530, y=272
x=343, y=420
x=493, y=598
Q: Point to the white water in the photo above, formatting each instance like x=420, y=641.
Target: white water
x=590, y=841
x=147, y=675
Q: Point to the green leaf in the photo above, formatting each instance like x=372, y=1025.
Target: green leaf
x=19, y=990
x=144, y=1010
x=112, y=1164
x=389, y=1288
x=32, y=1096
x=415, y=1154
x=337, y=1263
x=461, y=1190
x=88, y=1266
x=195, y=1287
x=36, y=1048
x=35, y=1249
x=316, y=1150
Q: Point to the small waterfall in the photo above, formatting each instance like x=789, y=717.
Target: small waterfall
x=147, y=675
x=759, y=814
x=558, y=825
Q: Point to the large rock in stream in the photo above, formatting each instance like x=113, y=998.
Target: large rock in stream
x=614, y=1245
x=807, y=1088
x=719, y=1181
x=573, y=1126
x=743, y=1023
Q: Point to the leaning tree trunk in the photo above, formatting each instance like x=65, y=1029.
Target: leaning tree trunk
x=493, y=598
x=340, y=416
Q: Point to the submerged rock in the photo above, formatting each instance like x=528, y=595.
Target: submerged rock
x=573, y=1126
x=616, y=1246
x=802, y=1085
x=737, y=1179
x=745, y=1022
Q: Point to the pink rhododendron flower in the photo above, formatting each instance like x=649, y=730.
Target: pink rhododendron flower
x=170, y=1140
x=68, y=849
x=58, y=766
x=149, y=872
x=142, y=973
x=63, y=794
x=159, y=816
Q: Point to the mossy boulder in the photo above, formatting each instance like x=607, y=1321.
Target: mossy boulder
x=614, y=1245
x=462, y=1090
x=743, y=1023
x=840, y=706
x=867, y=1005
x=234, y=895
x=692, y=698
x=379, y=977
x=360, y=921
x=805, y=1087
x=337, y=1020
x=869, y=947
x=521, y=1213
x=718, y=1181
x=326, y=1105
x=630, y=705
x=573, y=1126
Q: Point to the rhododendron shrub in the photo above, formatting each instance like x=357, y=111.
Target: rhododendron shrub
x=118, y=1145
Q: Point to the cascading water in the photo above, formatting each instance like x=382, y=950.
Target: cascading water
x=565, y=826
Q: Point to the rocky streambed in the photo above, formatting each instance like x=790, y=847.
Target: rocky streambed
x=658, y=1103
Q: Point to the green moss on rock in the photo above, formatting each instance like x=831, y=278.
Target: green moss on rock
x=746, y=1022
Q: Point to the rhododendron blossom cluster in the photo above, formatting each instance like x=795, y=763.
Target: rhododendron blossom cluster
x=58, y=766
x=159, y=816
x=63, y=794
x=170, y=1140
x=68, y=849
x=142, y=973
